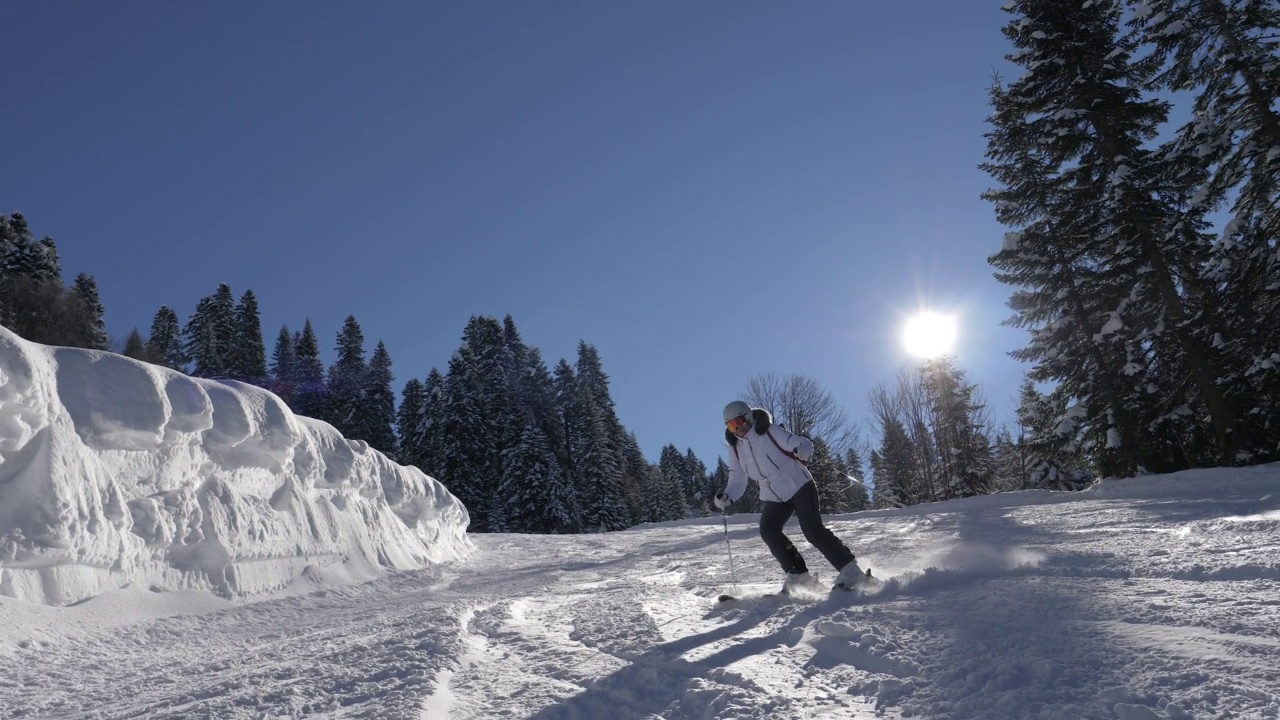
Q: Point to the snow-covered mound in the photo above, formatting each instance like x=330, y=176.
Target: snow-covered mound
x=117, y=472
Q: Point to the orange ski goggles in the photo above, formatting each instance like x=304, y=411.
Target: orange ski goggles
x=739, y=423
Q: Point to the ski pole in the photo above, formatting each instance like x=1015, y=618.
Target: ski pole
x=869, y=491
x=732, y=575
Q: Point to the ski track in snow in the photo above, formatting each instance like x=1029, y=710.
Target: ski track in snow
x=1139, y=599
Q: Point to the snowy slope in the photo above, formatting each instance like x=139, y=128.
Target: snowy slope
x=1148, y=598
x=117, y=473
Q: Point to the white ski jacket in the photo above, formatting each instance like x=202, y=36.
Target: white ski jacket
x=764, y=457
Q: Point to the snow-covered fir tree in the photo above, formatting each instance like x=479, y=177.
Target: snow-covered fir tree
x=671, y=465
x=429, y=436
x=538, y=395
x=827, y=477
x=893, y=466
x=201, y=341
x=378, y=412
x=1225, y=52
x=164, y=346
x=477, y=422
x=248, y=355
x=604, y=502
x=697, y=484
x=1104, y=254
x=310, y=396
x=23, y=255
x=347, y=382
x=962, y=448
x=532, y=488
x=33, y=303
x=135, y=347
x=565, y=388
x=647, y=484
x=532, y=394
x=1053, y=456
x=413, y=406
x=85, y=290
x=284, y=361
x=603, y=442
x=1009, y=462
x=210, y=334
x=466, y=444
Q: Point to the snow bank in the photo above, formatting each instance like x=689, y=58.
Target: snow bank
x=117, y=472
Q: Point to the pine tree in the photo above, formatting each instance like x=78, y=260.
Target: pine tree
x=656, y=508
x=648, y=483
x=347, y=382
x=516, y=360
x=1225, y=52
x=539, y=396
x=962, y=449
x=893, y=466
x=248, y=356
x=697, y=484
x=32, y=302
x=211, y=334
x=1103, y=252
x=50, y=265
x=379, y=408
x=672, y=466
x=565, y=386
x=428, y=434
x=707, y=488
x=135, y=348
x=24, y=256
x=165, y=344
x=475, y=422
x=604, y=504
x=284, y=362
x=464, y=442
x=635, y=476
x=310, y=396
x=828, y=478
x=1051, y=449
x=532, y=487
x=202, y=342
x=413, y=407
x=491, y=370
x=85, y=290
x=532, y=396
x=593, y=388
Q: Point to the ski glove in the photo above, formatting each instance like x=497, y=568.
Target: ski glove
x=722, y=500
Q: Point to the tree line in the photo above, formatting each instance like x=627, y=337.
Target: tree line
x=526, y=448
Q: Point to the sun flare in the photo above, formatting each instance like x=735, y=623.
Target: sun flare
x=928, y=335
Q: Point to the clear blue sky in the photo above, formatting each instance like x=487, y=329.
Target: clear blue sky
x=703, y=190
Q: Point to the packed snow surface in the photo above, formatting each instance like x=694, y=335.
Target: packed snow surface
x=1147, y=598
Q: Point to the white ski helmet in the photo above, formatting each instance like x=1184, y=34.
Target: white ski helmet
x=735, y=409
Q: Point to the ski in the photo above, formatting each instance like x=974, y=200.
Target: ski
x=870, y=581
x=736, y=597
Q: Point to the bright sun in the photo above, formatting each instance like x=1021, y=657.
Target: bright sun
x=929, y=334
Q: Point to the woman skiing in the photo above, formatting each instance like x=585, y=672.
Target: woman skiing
x=776, y=459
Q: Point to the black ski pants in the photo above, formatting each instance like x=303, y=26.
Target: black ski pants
x=804, y=505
